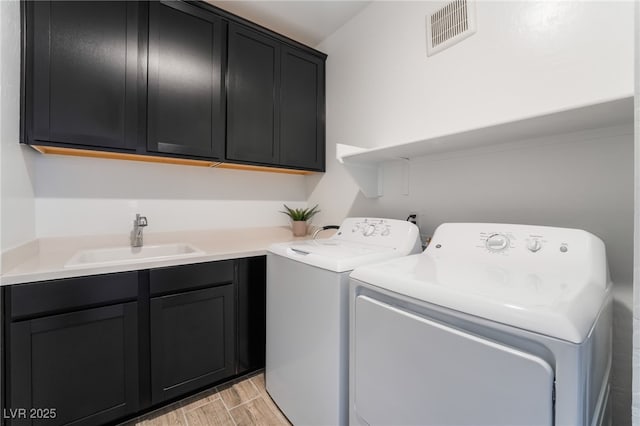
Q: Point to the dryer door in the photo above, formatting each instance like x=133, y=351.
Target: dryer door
x=411, y=370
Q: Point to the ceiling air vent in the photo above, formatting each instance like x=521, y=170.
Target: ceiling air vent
x=450, y=24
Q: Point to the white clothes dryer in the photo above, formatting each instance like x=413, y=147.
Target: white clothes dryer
x=493, y=324
x=307, y=314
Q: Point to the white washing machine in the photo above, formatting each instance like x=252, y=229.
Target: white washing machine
x=307, y=314
x=492, y=325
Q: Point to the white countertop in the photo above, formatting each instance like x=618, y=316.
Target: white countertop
x=44, y=259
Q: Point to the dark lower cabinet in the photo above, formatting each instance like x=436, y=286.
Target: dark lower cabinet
x=79, y=367
x=192, y=340
x=251, y=316
x=98, y=349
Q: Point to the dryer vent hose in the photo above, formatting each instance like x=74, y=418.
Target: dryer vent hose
x=324, y=228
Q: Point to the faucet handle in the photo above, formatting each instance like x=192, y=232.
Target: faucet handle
x=141, y=220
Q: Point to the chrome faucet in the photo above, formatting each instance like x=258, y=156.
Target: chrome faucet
x=136, y=235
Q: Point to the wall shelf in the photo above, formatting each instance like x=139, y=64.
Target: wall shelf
x=364, y=165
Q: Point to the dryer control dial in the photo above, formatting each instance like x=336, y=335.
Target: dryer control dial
x=369, y=230
x=497, y=242
x=534, y=245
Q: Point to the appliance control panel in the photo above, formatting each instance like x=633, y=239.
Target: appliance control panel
x=373, y=227
x=379, y=231
x=521, y=265
x=502, y=241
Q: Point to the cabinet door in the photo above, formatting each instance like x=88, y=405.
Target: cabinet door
x=186, y=106
x=81, y=73
x=84, y=365
x=301, y=110
x=192, y=340
x=252, y=280
x=252, y=121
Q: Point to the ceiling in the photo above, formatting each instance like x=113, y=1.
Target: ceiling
x=306, y=21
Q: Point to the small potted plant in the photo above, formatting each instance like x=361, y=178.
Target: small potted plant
x=300, y=218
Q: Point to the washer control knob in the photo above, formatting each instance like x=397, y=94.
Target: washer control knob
x=386, y=231
x=369, y=230
x=497, y=242
x=534, y=245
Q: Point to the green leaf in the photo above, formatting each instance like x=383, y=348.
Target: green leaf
x=301, y=214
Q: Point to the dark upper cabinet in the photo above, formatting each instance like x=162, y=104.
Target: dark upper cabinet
x=169, y=78
x=253, y=84
x=275, y=102
x=185, y=81
x=302, y=138
x=81, y=64
x=192, y=329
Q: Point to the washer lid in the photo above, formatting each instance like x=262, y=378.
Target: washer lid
x=555, y=292
x=334, y=254
x=359, y=241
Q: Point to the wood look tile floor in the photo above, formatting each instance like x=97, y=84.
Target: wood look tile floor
x=240, y=403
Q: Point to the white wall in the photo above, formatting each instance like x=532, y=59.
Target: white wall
x=44, y=196
x=636, y=269
x=526, y=59
x=17, y=211
x=85, y=196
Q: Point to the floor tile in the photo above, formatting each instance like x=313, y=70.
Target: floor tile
x=169, y=416
x=258, y=381
x=237, y=393
x=243, y=402
x=199, y=399
x=272, y=405
x=256, y=412
x=211, y=414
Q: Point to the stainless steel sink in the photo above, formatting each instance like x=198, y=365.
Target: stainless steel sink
x=124, y=255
